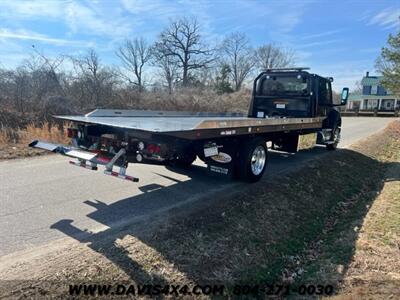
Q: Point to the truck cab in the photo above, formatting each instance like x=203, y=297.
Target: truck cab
x=292, y=93
x=296, y=93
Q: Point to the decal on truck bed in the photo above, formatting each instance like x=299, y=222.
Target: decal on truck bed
x=280, y=105
x=210, y=151
x=219, y=169
x=222, y=158
x=228, y=132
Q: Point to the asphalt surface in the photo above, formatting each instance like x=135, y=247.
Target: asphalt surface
x=36, y=193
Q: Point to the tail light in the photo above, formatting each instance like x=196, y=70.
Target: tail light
x=153, y=148
x=72, y=133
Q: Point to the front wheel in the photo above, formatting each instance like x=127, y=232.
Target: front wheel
x=252, y=161
x=334, y=140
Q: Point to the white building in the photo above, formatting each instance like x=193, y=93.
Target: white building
x=374, y=97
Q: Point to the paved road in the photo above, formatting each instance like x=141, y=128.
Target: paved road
x=36, y=193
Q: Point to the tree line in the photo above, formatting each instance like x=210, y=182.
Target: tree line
x=184, y=59
x=388, y=63
x=180, y=59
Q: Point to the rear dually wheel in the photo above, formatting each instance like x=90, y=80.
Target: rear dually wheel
x=252, y=160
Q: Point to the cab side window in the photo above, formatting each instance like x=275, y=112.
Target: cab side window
x=328, y=92
x=324, y=92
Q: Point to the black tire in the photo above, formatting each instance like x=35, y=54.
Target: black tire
x=335, y=138
x=244, y=169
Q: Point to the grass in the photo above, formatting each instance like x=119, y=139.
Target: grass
x=47, y=132
x=358, y=249
x=334, y=221
x=14, y=142
x=374, y=268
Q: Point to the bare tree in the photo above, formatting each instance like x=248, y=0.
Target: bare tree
x=269, y=56
x=168, y=67
x=46, y=78
x=135, y=54
x=357, y=88
x=87, y=67
x=87, y=64
x=94, y=81
x=21, y=95
x=4, y=77
x=51, y=68
x=238, y=55
x=182, y=42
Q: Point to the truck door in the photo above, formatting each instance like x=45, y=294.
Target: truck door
x=324, y=96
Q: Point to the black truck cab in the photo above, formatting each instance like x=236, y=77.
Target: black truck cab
x=292, y=93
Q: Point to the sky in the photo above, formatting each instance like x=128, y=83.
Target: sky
x=337, y=38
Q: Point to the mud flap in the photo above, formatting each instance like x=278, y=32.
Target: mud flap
x=307, y=141
x=293, y=143
x=222, y=163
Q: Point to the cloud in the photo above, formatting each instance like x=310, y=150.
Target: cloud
x=346, y=73
x=316, y=44
x=387, y=18
x=321, y=34
x=90, y=18
x=156, y=7
x=282, y=16
x=159, y=13
x=31, y=9
x=103, y=20
x=22, y=34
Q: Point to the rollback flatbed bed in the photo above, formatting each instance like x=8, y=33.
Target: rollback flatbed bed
x=192, y=126
x=285, y=104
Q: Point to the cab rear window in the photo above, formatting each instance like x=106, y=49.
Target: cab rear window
x=272, y=85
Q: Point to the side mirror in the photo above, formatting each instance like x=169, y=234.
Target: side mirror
x=345, y=96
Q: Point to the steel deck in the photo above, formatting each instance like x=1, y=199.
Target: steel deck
x=169, y=122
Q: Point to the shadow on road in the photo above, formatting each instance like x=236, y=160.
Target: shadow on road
x=202, y=244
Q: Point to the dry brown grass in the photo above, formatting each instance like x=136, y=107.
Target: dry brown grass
x=46, y=132
x=3, y=137
x=374, y=272
x=14, y=142
x=189, y=99
x=375, y=269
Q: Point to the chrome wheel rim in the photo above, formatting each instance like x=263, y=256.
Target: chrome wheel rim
x=258, y=160
x=336, y=136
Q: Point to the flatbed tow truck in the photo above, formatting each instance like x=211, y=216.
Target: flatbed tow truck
x=286, y=104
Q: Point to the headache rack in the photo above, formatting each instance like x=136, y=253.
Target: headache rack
x=299, y=69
